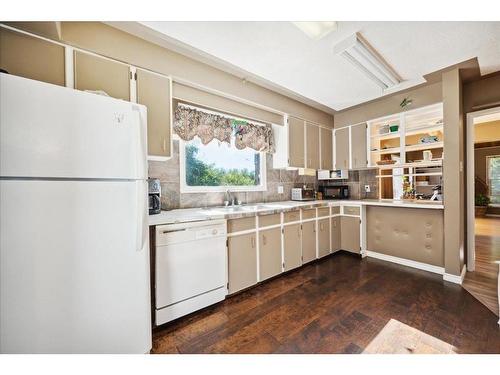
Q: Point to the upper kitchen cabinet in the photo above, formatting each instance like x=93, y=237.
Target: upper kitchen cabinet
x=154, y=91
x=296, y=143
x=313, y=146
x=358, y=143
x=30, y=57
x=97, y=73
x=326, y=149
x=342, y=148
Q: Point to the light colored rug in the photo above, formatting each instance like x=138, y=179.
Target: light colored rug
x=399, y=338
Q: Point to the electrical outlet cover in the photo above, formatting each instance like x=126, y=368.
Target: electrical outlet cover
x=367, y=188
x=280, y=189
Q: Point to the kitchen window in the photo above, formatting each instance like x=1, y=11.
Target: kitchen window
x=493, y=168
x=219, y=166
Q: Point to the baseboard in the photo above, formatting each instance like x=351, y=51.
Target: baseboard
x=457, y=279
x=406, y=262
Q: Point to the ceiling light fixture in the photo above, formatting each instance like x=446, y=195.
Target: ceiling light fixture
x=358, y=52
x=316, y=29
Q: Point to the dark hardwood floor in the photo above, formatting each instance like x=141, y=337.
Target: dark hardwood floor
x=340, y=304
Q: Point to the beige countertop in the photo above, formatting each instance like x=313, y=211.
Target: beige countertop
x=214, y=213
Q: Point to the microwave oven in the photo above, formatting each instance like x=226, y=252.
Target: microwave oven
x=335, y=192
x=303, y=194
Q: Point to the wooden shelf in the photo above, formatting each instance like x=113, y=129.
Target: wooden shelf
x=386, y=136
x=423, y=129
x=410, y=174
x=424, y=146
x=420, y=164
x=393, y=150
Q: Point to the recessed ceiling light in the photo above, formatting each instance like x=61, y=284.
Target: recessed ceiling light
x=363, y=56
x=316, y=29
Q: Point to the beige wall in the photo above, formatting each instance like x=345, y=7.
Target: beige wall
x=108, y=41
x=482, y=93
x=453, y=182
x=421, y=96
x=487, y=132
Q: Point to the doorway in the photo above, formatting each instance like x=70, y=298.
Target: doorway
x=483, y=206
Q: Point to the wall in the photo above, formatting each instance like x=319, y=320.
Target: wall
x=421, y=96
x=453, y=165
x=108, y=41
x=356, y=182
x=487, y=131
x=483, y=93
x=168, y=173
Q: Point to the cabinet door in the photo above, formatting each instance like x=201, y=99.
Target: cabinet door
x=335, y=231
x=296, y=143
x=97, y=73
x=323, y=237
x=312, y=136
x=292, y=246
x=358, y=153
x=153, y=90
x=326, y=149
x=349, y=239
x=33, y=58
x=269, y=253
x=342, y=148
x=242, y=256
x=308, y=241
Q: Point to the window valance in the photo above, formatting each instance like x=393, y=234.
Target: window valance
x=190, y=122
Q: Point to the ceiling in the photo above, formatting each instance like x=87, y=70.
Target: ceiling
x=282, y=55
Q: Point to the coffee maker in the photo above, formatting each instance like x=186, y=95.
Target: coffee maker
x=154, y=189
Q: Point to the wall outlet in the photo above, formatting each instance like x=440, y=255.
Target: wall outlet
x=280, y=189
x=367, y=188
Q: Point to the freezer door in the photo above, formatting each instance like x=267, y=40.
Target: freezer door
x=52, y=131
x=74, y=267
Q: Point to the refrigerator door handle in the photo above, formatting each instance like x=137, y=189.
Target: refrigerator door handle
x=141, y=210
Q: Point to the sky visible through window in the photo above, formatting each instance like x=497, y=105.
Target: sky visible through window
x=225, y=156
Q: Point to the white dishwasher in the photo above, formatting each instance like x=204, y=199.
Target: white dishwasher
x=190, y=267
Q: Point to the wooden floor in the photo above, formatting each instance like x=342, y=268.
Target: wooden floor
x=340, y=304
x=483, y=282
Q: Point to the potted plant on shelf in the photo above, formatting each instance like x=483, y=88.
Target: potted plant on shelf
x=482, y=202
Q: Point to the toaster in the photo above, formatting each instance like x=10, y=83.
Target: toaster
x=303, y=194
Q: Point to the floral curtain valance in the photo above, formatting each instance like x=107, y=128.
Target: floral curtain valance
x=190, y=122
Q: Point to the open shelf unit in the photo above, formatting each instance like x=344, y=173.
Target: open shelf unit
x=405, y=137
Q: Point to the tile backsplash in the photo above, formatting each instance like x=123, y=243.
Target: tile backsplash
x=356, y=182
x=169, y=175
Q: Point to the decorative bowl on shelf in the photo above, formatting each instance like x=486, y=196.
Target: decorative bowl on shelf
x=394, y=128
x=386, y=162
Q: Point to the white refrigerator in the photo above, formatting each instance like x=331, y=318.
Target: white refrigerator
x=74, y=258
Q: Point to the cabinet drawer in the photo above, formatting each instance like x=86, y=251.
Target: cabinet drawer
x=268, y=220
x=238, y=225
x=351, y=210
x=324, y=211
x=335, y=210
x=309, y=213
x=291, y=216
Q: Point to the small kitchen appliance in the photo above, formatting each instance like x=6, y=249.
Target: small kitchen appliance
x=154, y=190
x=335, y=192
x=303, y=194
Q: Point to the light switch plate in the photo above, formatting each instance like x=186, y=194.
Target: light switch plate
x=367, y=188
x=280, y=189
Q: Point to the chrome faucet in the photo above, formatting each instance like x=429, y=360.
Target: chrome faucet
x=230, y=199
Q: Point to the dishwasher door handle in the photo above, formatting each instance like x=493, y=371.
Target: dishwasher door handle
x=174, y=230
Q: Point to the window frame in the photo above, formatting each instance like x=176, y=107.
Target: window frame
x=488, y=178
x=185, y=188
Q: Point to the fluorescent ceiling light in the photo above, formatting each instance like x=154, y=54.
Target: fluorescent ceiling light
x=358, y=52
x=316, y=29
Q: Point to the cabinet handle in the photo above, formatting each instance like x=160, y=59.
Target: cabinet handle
x=264, y=241
x=164, y=144
x=252, y=241
x=314, y=228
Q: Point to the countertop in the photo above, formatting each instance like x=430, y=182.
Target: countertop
x=213, y=213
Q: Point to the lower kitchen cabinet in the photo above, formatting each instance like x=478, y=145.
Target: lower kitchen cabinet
x=269, y=253
x=242, y=258
x=335, y=230
x=308, y=241
x=323, y=237
x=292, y=246
x=349, y=239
